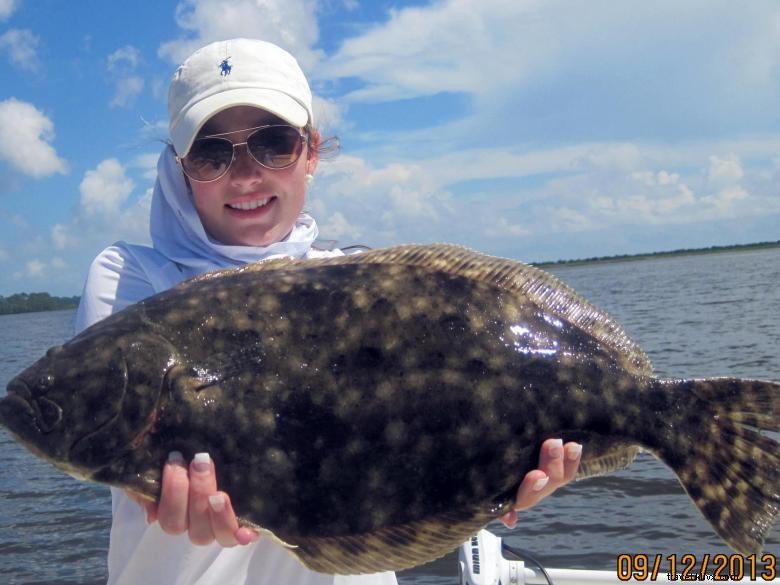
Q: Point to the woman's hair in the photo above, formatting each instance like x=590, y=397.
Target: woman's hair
x=324, y=147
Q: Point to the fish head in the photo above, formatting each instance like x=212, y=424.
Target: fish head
x=87, y=402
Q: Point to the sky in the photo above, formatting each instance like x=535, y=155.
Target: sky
x=537, y=130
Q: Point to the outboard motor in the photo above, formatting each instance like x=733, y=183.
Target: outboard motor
x=481, y=562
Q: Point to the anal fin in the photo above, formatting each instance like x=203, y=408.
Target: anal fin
x=601, y=458
x=393, y=548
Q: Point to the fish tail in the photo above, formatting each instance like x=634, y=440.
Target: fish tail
x=727, y=465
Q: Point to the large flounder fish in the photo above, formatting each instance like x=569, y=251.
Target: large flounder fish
x=373, y=411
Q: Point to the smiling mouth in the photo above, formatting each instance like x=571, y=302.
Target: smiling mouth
x=250, y=205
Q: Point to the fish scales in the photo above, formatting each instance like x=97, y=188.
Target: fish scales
x=352, y=410
x=373, y=411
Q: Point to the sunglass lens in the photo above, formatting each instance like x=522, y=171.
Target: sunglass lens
x=208, y=158
x=276, y=146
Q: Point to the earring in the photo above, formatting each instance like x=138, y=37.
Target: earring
x=308, y=178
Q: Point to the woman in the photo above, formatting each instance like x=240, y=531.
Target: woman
x=230, y=190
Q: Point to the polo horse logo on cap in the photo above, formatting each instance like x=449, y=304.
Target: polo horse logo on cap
x=225, y=68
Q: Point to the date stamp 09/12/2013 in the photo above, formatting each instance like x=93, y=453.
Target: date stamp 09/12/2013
x=689, y=567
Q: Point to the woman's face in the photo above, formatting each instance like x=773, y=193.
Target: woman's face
x=251, y=205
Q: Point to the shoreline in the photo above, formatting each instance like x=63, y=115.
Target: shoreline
x=664, y=254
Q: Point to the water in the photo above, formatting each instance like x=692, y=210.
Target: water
x=53, y=529
x=694, y=316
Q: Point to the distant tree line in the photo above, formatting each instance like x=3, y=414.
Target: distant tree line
x=680, y=252
x=31, y=302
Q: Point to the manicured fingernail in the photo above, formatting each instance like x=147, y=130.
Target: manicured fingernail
x=575, y=451
x=217, y=502
x=245, y=535
x=556, y=450
x=201, y=462
x=175, y=458
x=540, y=483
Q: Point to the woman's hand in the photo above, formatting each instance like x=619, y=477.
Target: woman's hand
x=558, y=465
x=189, y=502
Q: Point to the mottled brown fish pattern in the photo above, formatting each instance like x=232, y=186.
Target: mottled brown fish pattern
x=373, y=411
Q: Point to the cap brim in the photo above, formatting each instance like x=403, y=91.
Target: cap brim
x=278, y=103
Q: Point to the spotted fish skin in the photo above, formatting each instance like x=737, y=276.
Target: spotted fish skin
x=373, y=411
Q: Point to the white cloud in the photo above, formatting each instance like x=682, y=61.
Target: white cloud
x=127, y=89
x=7, y=8
x=34, y=268
x=328, y=114
x=107, y=209
x=386, y=203
x=451, y=46
x=147, y=163
x=577, y=52
x=592, y=199
x=61, y=237
x=41, y=270
x=724, y=170
x=337, y=227
x=722, y=202
x=654, y=201
x=25, y=136
x=21, y=46
x=121, y=65
x=503, y=228
x=291, y=24
x=105, y=189
x=469, y=164
x=106, y=213
x=404, y=190
x=594, y=187
x=127, y=57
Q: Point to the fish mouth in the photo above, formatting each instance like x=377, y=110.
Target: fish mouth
x=20, y=409
x=17, y=404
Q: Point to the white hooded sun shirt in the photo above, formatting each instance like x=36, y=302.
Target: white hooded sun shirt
x=123, y=274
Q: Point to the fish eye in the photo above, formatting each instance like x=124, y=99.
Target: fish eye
x=45, y=381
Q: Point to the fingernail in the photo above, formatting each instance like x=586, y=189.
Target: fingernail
x=176, y=458
x=217, y=502
x=540, y=483
x=575, y=451
x=246, y=536
x=556, y=450
x=201, y=462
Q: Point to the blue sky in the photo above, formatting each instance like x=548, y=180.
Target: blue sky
x=539, y=130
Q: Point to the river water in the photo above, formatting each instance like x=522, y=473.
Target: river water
x=710, y=315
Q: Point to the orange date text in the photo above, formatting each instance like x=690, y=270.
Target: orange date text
x=689, y=567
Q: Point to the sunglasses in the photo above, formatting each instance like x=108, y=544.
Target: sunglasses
x=274, y=147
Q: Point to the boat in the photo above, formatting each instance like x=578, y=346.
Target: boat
x=485, y=559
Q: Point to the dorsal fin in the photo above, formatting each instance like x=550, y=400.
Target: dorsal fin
x=539, y=287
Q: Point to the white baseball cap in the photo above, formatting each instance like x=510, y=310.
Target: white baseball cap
x=236, y=72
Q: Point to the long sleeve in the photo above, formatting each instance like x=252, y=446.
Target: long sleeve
x=112, y=284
